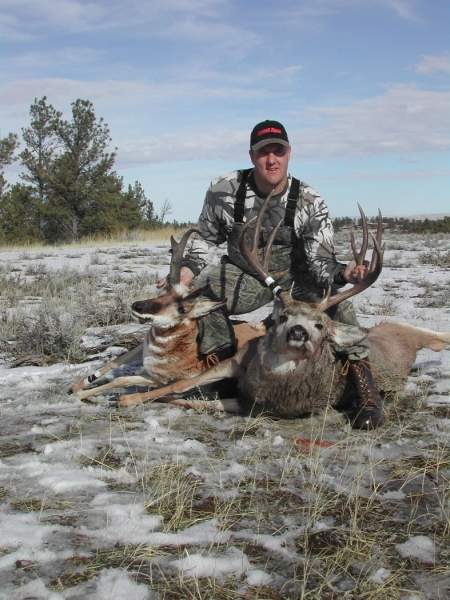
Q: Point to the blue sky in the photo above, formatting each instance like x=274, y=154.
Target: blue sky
x=362, y=86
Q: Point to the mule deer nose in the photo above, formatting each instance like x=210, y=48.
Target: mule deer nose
x=297, y=334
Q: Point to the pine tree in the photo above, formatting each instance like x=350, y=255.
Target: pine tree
x=8, y=146
x=41, y=146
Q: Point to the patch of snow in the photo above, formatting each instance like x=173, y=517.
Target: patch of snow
x=379, y=576
x=233, y=562
x=68, y=480
x=235, y=471
x=420, y=547
x=207, y=532
x=116, y=583
x=25, y=536
x=392, y=495
x=123, y=523
x=257, y=577
x=34, y=589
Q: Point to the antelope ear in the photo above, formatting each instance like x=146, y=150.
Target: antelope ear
x=205, y=306
x=344, y=336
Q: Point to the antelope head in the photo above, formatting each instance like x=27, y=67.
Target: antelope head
x=178, y=304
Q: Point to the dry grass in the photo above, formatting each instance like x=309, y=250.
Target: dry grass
x=322, y=517
x=45, y=315
x=151, y=236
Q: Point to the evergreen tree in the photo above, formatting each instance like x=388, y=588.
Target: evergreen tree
x=69, y=186
x=19, y=215
x=8, y=146
x=81, y=171
x=41, y=145
x=141, y=208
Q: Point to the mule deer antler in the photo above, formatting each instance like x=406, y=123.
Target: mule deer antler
x=376, y=263
x=251, y=254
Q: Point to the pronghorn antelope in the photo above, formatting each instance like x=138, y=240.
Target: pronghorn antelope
x=169, y=350
x=292, y=370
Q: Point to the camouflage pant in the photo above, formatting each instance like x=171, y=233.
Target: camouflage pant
x=243, y=294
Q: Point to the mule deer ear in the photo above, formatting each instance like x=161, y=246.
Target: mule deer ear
x=205, y=306
x=344, y=336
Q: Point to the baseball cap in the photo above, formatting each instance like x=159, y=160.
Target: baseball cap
x=268, y=132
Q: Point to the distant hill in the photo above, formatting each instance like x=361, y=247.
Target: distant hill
x=429, y=216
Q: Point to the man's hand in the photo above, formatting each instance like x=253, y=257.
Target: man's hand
x=186, y=277
x=354, y=273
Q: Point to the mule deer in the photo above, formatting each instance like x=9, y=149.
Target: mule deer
x=169, y=350
x=292, y=370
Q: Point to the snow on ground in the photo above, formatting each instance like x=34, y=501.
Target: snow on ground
x=98, y=502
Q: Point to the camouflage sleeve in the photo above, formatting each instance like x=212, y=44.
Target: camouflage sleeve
x=314, y=226
x=214, y=222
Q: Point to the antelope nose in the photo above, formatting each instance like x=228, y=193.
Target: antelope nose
x=297, y=334
x=146, y=307
x=138, y=306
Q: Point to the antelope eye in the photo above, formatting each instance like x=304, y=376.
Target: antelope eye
x=318, y=326
x=181, y=308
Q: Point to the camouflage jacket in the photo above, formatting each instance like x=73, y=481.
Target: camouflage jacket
x=312, y=226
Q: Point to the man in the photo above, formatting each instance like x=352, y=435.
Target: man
x=303, y=256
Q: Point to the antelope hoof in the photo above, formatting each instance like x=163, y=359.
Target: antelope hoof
x=75, y=387
x=113, y=401
x=128, y=400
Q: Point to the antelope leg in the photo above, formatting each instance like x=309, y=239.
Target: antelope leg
x=113, y=364
x=229, y=405
x=115, y=383
x=226, y=369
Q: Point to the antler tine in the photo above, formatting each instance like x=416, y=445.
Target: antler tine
x=259, y=221
x=178, y=249
x=359, y=256
x=377, y=256
x=323, y=304
x=379, y=228
x=377, y=240
x=268, y=249
x=251, y=254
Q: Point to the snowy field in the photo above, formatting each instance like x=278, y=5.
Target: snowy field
x=161, y=502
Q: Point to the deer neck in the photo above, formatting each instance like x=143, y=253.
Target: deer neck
x=172, y=353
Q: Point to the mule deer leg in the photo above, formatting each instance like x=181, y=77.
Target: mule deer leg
x=113, y=364
x=116, y=383
x=226, y=369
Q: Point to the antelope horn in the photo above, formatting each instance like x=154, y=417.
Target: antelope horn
x=178, y=249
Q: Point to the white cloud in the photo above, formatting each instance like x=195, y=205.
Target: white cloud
x=194, y=80
x=310, y=12
x=402, y=120
x=405, y=119
x=80, y=16
x=430, y=64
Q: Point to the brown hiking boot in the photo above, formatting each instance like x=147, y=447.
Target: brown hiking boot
x=367, y=409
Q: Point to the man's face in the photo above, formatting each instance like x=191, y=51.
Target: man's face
x=271, y=163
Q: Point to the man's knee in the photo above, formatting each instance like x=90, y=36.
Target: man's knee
x=344, y=313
